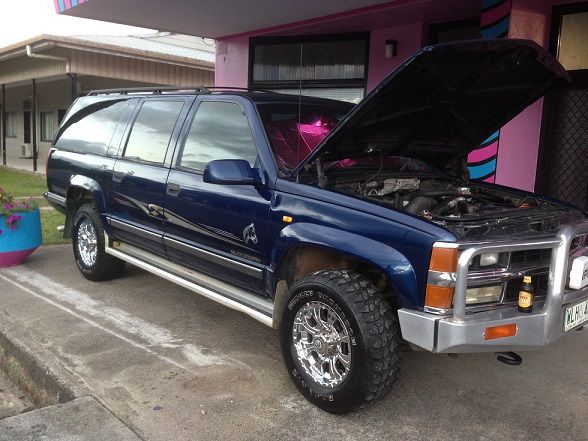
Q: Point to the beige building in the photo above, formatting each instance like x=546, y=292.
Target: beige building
x=58, y=69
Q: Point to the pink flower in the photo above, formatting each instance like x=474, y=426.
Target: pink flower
x=12, y=220
x=7, y=206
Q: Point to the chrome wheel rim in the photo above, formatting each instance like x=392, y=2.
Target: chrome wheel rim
x=322, y=344
x=87, y=242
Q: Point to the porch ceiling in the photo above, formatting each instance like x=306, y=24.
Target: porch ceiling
x=218, y=18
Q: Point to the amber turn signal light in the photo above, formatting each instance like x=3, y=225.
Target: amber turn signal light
x=501, y=331
x=440, y=297
x=443, y=260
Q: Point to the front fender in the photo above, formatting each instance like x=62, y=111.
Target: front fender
x=394, y=264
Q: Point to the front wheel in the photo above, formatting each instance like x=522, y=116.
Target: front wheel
x=88, y=246
x=340, y=340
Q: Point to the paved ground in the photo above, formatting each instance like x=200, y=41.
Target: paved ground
x=12, y=400
x=14, y=160
x=173, y=365
x=79, y=420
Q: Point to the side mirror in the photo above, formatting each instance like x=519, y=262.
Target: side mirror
x=230, y=172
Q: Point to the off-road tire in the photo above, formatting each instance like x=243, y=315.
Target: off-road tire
x=375, y=335
x=105, y=266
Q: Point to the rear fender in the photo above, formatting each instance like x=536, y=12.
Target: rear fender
x=89, y=189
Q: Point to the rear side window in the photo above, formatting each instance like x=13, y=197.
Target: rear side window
x=219, y=131
x=152, y=131
x=91, y=128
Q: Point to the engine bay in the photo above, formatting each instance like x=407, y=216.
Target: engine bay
x=440, y=201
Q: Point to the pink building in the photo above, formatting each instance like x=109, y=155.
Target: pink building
x=342, y=49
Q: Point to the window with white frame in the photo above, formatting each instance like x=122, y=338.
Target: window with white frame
x=47, y=126
x=11, y=124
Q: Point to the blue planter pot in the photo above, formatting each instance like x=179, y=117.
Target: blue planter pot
x=16, y=245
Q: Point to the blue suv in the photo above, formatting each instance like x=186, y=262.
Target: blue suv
x=352, y=230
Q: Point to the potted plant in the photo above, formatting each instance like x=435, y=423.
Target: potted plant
x=20, y=229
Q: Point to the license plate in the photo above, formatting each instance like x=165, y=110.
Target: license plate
x=576, y=315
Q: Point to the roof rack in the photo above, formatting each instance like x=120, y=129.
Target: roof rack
x=161, y=90
x=155, y=90
x=247, y=89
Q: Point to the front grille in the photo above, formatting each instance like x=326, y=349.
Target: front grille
x=513, y=286
x=530, y=257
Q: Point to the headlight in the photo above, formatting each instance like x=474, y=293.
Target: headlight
x=483, y=294
x=489, y=259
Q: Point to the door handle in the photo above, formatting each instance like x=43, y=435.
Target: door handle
x=173, y=188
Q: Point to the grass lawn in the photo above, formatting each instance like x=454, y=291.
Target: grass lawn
x=21, y=183
x=50, y=220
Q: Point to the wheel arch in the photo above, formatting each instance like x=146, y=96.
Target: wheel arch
x=305, y=248
x=81, y=190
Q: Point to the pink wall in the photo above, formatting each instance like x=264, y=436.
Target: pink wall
x=519, y=140
x=232, y=62
x=518, y=148
x=409, y=38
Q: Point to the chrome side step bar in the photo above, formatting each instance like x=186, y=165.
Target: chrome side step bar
x=228, y=295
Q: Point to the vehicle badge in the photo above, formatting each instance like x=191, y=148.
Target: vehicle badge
x=249, y=234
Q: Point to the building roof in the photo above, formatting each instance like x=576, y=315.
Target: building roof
x=223, y=18
x=198, y=49
x=184, y=49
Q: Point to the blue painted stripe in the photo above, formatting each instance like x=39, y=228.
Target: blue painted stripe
x=74, y=3
x=482, y=170
x=61, y=5
x=489, y=3
x=490, y=139
x=497, y=29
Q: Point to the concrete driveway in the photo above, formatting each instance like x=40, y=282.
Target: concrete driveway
x=175, y=366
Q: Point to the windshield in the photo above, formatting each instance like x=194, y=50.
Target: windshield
x=295, y=131
x=293, y=135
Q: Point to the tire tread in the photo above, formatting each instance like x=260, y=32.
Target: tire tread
x=378, y=322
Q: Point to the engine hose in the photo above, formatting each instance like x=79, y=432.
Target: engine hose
x=420, y=204
x=449, y=205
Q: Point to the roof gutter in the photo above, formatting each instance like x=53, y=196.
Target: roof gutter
x=32, y=54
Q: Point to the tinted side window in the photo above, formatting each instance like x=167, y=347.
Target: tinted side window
x=152, y=131
x=219, y=131
x=91, y=128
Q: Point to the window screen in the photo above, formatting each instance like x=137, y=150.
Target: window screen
x=47, y=126
x=572, y=53
x=152, y=131
x=219, y=131
x=319, y=66
x=11, y=124
x=332, y=60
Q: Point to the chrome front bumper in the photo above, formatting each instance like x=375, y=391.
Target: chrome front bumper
x=461, y=332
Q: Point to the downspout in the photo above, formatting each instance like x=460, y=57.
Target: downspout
x=32, y=54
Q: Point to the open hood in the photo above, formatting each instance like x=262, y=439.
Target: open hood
x=444, y=101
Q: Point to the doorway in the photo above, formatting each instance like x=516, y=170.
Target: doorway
x=563, y=166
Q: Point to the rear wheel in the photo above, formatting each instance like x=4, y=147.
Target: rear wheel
x=340, y=340
x=88, y=246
